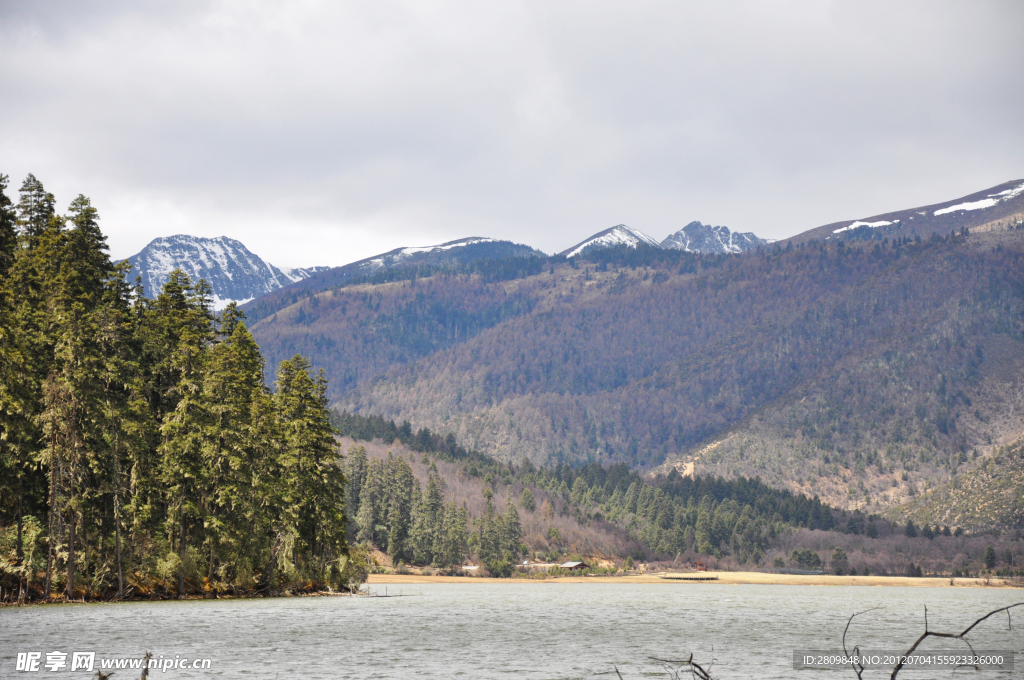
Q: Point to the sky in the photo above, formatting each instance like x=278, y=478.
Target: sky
x=319, y=133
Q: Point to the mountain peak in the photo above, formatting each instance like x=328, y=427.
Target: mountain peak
x=704, y=238
x=619, y=235
x=234, y=273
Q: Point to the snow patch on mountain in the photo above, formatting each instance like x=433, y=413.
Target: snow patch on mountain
x=295, y=274
x=704, y=238
x=619, y=235
x=854, y=225
x=234, y=273
x=990, y=201
x=446, y=246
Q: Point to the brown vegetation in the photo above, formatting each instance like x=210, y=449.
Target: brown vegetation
x=864, y=373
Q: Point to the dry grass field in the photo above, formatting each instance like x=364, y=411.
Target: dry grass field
x=724, y=577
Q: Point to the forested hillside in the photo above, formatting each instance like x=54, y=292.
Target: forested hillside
x=141, y=453
x=416, y=493
x=861, y=371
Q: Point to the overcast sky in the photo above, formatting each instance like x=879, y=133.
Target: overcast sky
x=318, y=133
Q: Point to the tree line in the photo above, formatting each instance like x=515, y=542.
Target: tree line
x=141, y=453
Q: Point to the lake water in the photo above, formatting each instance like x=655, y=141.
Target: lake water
x=515, y=630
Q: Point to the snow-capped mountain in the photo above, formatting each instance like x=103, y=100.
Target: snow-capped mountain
x=619, y=235
x=233, y=272
x=462, y=251
x=703, y=238
x=400, y=256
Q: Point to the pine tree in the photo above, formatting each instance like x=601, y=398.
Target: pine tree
x=355, y=474
x=310, y=464
x=399, y=508
x=428, y=516
x=184, y=317
x=453, y=539
x=13, y=397
x=8, y=232
x=511, y=532
x=240, y=471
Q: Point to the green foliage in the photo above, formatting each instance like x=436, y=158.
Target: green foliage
x=144, y=434
x=410, y=525
x=527, y=501
x=990, y=557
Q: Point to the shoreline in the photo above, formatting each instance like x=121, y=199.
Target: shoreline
x=713, y=578
x=710, y=579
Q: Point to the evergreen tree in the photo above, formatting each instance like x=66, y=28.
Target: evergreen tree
x=511, y=532
x=453, y=539
x=144, y=439
x=8, y=232
x=239, y=487
x=425, y=534
x=399, y=508
x=355, y=475
x=184, y=317
x=310, y=461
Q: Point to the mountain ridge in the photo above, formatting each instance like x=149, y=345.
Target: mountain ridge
x=990, y=209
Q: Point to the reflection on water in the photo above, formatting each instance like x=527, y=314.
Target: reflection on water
x=533, y=630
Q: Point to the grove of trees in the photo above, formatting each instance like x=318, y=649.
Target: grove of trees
x=141, y=452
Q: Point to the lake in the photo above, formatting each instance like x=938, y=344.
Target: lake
x=515, y=630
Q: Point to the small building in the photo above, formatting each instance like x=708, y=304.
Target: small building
x=574, y=566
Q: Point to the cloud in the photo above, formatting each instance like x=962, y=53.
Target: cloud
x=319, y=133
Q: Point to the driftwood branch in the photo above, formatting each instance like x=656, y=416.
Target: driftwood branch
x=962, y=636
x=676, y=666
x=858, y=668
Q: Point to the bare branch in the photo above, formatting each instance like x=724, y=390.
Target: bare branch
x=953, y=636
x=858, y=667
